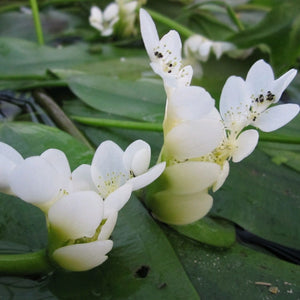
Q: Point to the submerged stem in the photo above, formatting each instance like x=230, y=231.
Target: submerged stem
x=37, y=22
x=25, y=264
x=59, y=117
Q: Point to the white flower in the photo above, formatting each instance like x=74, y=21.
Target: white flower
x=76, y=222
x=265, y=91
x=199, y=47
x=112, y=169
x=104, y=21
x=192, y=128
x=247, y=102
x=41, y=180
x=9, y=159
x=165, y=54
x=128, y=15
x=235, y=106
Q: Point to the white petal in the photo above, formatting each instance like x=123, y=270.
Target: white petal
x=149, y=33
x=82, y=179
x=96, y=13
x=109, y=226
x=282, y=83
x=260, y=77
x=193, y=139
x=214, y=115
x=235, y=102
x=9, y=158
x=143, y=180
x=77, y=215
x=180, y=209
x=117, y=199
x=137, y=157
x=82, y=257
x=221, y=47
x=184, y=77
x=60, y=163
x=130, y=7
x=204, y=50
x=12, y=154
x=222, y=176
x=189, y=103
x=170, y=80
x=107, y=31
x=96, y=18
x=171, y=42
x=107, y=169
x=191, y=177
x=111, y=12
x=191, y=44
x=276, y=117
x=35, y=181
x=7, y=167
x=246, y=143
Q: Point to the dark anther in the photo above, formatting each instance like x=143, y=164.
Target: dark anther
x=256, y=100
x=170, y=65
x=142, y=271
x=254, y=118
x=160, y=55
x=156, y=53
x=169, y=71
x=270, y=96
x=261, y=98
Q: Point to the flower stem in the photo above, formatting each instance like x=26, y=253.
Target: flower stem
x=25, y=264
x=184, y=31
x=37, y=22
x=118, y=123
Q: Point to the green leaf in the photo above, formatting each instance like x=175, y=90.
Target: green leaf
x=22, y=288
x=32, y=139
x=288, y=150
x=214, y=232
x=280, y=24
x=140, y=100
x=263, y=198
x=23, y=58
x=18, y=24
x=18, y=223
x=236, y=273
x=124, y=67
x=281, y=156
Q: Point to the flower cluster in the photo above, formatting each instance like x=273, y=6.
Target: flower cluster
x=81, y=207
x=199, y=141
x=119, y=16
x=198, y=48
